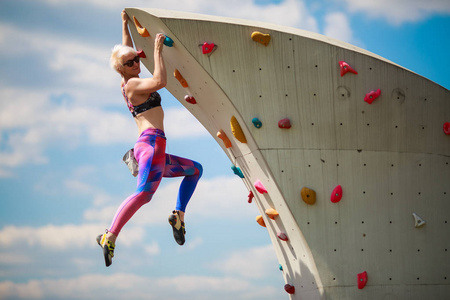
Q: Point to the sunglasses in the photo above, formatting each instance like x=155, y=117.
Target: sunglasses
x=130, y=63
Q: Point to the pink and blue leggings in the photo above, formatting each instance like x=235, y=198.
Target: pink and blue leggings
x=154, y=163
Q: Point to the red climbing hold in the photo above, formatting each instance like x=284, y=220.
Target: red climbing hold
x=260, y=187
x=345, y=68
x=290, y=289
x=284, y=123
x=190, y=99
x=362, y=280
x=141, y=54
x=282, y=236
x=371, y=96
x=336, y=195
x=208, y=48
x=250, y=197
x=447, y=128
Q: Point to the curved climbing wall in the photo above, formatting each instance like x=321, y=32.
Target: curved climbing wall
x=346, y=155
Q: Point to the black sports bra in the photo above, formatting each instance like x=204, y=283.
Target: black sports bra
x=154, y=100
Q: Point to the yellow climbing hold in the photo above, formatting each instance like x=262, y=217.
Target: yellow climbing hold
x=237, y=130
x=221, y=135
x=260, y=221
x=180, y=78
x=271, y=213
x=261, y=38
x=308, y=195
x=140, y=29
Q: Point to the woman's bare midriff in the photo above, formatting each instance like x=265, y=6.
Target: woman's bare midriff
x=152, y=118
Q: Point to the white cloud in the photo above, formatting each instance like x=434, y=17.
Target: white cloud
x=249, y=263
x=337, y=26
x=400, y=11
x=131, y=286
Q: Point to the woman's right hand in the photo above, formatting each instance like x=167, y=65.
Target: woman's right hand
x=159, y=42
x=124, y=17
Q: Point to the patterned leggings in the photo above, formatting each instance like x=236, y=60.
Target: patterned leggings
x=154, y=163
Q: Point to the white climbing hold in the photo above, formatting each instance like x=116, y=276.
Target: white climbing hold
x=419, y=221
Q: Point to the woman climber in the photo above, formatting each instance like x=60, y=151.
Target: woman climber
x=144, y=103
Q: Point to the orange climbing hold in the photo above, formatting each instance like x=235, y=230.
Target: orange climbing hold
x=261, y=38
x=362, y=280
x=180, y=78
x=308, y=195
x=260, y=221
x=140, y=29
x=221, y=135
x=271, y=213
x=237, y=130
x=260, y=187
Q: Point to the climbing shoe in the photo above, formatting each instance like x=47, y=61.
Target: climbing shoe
x=108, y=248
x=178, y=228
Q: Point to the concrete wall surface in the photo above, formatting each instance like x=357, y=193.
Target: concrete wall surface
x=391, y=157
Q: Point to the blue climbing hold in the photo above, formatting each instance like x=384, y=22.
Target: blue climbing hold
x=281, y=267
x=168, y=41
x=237, y=171
x=257, y=122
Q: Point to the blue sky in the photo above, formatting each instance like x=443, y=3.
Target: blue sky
x=64, y=128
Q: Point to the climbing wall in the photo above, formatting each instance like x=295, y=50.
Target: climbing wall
x=346, y=155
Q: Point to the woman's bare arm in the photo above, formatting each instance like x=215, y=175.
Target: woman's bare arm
x=126, y=36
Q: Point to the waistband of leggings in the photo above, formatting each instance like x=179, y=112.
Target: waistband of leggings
x=153, y=131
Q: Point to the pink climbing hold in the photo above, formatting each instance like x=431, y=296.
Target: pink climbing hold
x=260, y=187
x=362, y=280
x=282, y=236
x=284, y=123
x=290, y=289
x=141, y=54
x=336, y=195
x=208, y=48
x=345, y=68
x=447, y=128
x=190, y=99
x=250, y=197
x=371, y=96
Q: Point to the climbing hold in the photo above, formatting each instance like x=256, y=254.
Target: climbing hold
x=250, y=197
x=447, y=128
x=208, y=48
x=290, y=289
x=237, y=171
x=308, y=195
x=284, y=123
x=141, y=54
x=362, y=280
x=221, y=135
x=237, y=130
x=345, y=68
x=190, y=99
x=260, y=221
x=419, y=222
x=168, y=41
x=140, y=29
x=261, y=38
x=271, y=213
x=371, y=96
x=260, y=187
x=280, y=267
x=256, y=122
x=336, y=195
x=282, y=236
x=180, y=78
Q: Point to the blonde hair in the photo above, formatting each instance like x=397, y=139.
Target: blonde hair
x=117, y=53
